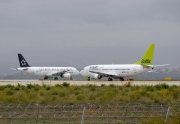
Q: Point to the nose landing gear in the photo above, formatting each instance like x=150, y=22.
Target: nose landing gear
x=88, y=79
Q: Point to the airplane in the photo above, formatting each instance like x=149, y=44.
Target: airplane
x=47, y=72
x=121, y=71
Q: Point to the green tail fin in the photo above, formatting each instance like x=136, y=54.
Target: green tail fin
x=148, y=56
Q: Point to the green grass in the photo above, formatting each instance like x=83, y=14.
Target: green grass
x=158, y=120
x=66, y=94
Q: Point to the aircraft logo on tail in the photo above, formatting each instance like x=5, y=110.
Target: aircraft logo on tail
x=146, y=61
x=23, y=62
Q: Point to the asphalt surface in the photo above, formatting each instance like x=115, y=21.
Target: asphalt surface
x=53, y=82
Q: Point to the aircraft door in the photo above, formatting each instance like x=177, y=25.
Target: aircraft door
x=101, y=68
x=37, y=69
x=135, y=69
x=86, y=70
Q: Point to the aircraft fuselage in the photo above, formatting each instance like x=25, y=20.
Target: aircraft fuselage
x=47, y=71
x=126, y=70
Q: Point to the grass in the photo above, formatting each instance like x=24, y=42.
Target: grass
x=159, y=120
x=66, y=94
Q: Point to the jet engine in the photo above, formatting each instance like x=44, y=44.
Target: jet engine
x=96, y=76
x=66, y=75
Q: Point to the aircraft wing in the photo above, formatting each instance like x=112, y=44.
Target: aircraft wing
x=105, y=74
x=60, y=73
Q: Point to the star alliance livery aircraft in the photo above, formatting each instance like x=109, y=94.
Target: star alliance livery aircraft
x=47, y=72
x=121, y=71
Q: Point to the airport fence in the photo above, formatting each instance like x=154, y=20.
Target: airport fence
x=85, y=113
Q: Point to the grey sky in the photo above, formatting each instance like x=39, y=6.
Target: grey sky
x=83, y=32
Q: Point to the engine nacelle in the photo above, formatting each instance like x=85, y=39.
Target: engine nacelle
x=66, y=75
x=96, y=76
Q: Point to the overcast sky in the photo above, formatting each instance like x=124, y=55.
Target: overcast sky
x=84, y=32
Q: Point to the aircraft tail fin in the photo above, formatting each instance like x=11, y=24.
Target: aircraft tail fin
x=148, y=56
x=22, y=61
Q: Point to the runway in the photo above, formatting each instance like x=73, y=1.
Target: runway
x=75, y=82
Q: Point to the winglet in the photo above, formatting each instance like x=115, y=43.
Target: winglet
x=148, y=56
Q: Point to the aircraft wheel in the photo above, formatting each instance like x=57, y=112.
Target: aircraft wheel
x=45, y=78
x=88, y=79
x=110, y=79
x=56, y=78
x=121, y=79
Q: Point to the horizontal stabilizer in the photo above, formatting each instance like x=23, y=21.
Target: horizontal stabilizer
x=161, y=65
x=152, y=71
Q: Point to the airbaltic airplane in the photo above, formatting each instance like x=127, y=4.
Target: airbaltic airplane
x=121, y=71
x=47, y=72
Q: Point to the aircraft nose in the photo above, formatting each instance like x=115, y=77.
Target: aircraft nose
x=82, y=72
x=77, y=72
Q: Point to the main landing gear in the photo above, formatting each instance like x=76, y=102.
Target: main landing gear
x=55, y=78
x=88, y=79
x=46, y=77
x=110, y=79
x=121, y=79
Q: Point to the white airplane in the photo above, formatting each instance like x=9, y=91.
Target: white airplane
x=47, y=72
x=121, y=71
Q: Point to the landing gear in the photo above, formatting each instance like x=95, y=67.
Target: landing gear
x=88, y=79
x=110, y=79
x=46, y=77
x=121, y=79
x=55, y=78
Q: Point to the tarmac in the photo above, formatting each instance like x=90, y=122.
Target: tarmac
x=80, y=82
